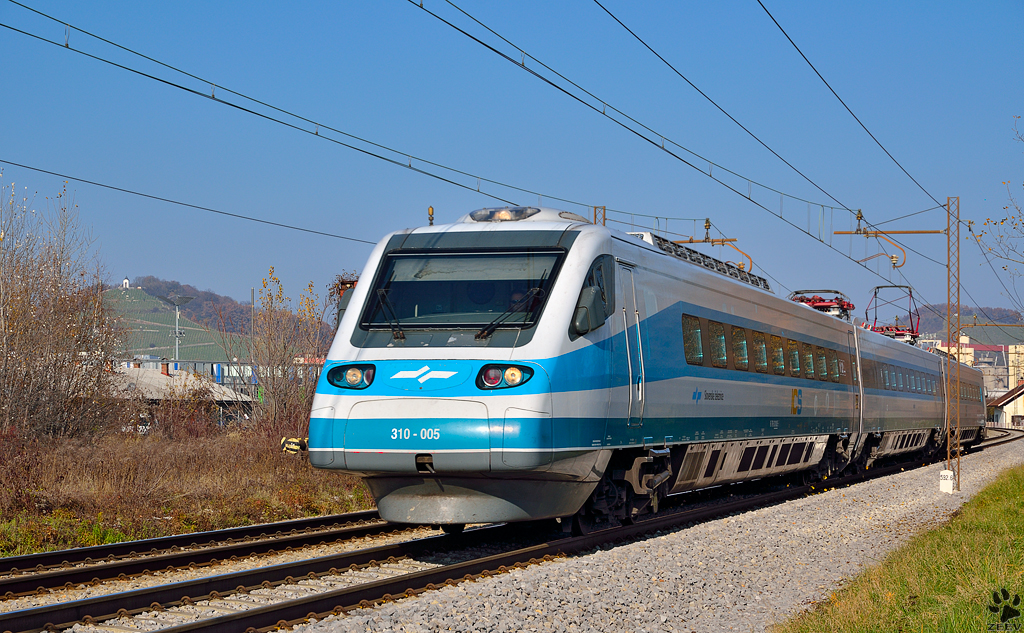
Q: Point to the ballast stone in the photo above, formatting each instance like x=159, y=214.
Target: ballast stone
x=741, y=573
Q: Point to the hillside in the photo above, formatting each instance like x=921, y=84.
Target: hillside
x=208, y=308
x=150, y=324
x=933, y=324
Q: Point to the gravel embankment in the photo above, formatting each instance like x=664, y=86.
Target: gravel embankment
x=740, y=573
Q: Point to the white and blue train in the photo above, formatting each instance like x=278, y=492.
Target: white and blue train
x=523, y=363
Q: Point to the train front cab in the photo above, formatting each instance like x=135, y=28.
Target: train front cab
x=446, y=425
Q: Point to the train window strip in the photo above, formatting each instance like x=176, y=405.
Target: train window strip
x=716, y=335
x=760, y=353
x=794, y=358
x=693, y=348
x=819, y=362
x=808, y=361
x=778, y=356
x=740, y=360
x=833, y=365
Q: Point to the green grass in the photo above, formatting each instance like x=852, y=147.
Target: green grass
x=60, y=494
x=942, y=580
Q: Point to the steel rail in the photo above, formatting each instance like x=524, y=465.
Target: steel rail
x=366, y=594
x=22, y=584
x=128, y=548
x=65, y=615
x=334, y=602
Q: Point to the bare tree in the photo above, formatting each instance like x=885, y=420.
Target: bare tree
x=287, y=351
x=56, y=334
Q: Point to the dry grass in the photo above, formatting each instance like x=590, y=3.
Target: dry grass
x=60, y=493
x=942, y=580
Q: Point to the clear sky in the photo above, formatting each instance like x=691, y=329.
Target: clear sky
x=937, y=83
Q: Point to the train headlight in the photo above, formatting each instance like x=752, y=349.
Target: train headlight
x=513, y=376
x=491, y=376
x=502, y=376
x=351, y=376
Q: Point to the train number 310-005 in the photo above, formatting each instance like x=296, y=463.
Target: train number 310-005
x=424, y=434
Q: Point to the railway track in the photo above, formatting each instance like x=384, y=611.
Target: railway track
x=268, y=597
x=49, y=570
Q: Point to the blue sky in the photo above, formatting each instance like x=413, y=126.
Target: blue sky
x=937, y=83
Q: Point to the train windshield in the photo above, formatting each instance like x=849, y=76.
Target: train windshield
x=461, y=289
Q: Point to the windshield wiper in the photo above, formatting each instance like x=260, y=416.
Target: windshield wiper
x=396, y=327
x=516, y=307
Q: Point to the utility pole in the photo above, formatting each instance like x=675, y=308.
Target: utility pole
x=953, y=334
x=952, y=318
x=177, y=302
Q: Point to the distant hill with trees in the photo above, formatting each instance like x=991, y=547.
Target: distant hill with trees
x=933, y=323
x=217, y=312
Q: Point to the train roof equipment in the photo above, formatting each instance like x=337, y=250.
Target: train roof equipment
x=907, y=332
x=700, y=259
x=535, y=214
x=838, y=306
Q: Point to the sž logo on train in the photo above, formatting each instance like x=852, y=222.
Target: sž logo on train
x=796, y=403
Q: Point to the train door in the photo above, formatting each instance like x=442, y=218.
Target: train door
x=857, y=432
x=633, y=322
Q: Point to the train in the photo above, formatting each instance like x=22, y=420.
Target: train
x=524, y=363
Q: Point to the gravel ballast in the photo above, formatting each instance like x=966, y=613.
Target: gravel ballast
x=741, y=573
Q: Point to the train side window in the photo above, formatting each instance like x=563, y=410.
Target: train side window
x=853, y=369
x=739, y=348
x=760, y=354
x=596, y=301
x=917, y=381
x=716, y=334
x=819, y=358
x=692, y=346
x=833, y=365
x=885, y=376
x=808, y=361
x=867, y=367
x=778, y=356
x=794, y=359
x=899, y=377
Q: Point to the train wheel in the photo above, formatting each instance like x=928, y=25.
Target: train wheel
x=582, y=524
x=453, y=528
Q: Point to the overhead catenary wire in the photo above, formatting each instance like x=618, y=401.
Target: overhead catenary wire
x=1017, y=304
x=856, y=118
x=657, y=139
x=318, y=126
x=605, y=105
x=714, y=103
x=185, y=204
